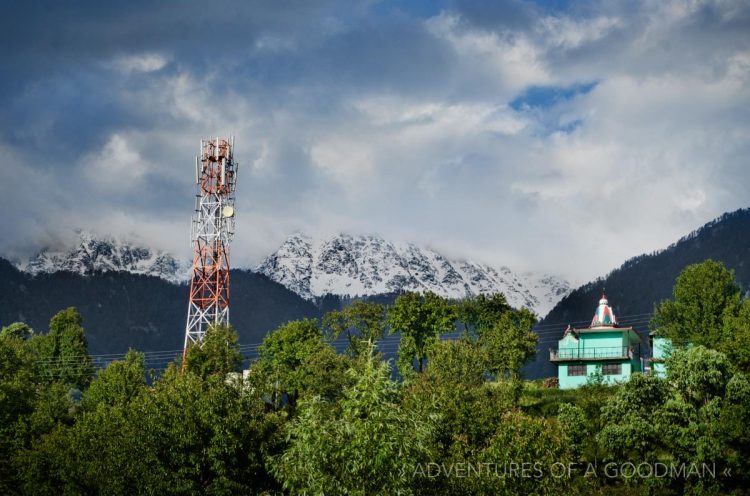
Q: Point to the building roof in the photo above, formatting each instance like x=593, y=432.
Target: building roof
x=604, y=321
x=604, y=316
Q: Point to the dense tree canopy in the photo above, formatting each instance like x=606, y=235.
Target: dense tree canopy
x=509, y=342
x=64, y=351
x=362, y=323
x=305, y=419
x=367, y=444
x=298, y=362
x=420, y=319
x=18, y=330
x=218, y=353
x=704, y=295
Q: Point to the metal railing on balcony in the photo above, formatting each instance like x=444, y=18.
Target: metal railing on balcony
x=602, y=353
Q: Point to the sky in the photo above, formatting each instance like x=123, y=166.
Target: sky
x=553, y=136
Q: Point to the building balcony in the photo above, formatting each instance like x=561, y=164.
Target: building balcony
x=593, y=354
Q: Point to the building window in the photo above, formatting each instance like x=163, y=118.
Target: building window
x=612, y=369
x=576, y=370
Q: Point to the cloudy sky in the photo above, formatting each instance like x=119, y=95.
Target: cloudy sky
x=556, y=136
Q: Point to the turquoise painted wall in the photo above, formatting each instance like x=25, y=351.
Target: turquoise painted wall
x=572, y=382
x=597, y=343
x=661, y=348
x=603, y=342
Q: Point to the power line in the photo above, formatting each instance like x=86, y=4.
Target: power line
x=546, y=332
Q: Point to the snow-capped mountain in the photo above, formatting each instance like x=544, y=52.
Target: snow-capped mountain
x=342, y=265
x=347, y=265
x=93, y=254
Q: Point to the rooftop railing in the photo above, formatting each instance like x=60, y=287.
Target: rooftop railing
x=601, y=353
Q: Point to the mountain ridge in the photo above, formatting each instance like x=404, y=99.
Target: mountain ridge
x=343, y=265
x=90, y=254
x=350, y=265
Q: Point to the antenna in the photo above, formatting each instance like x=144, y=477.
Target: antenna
x=212, y=231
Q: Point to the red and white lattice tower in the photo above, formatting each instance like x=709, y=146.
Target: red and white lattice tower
x=212, y=230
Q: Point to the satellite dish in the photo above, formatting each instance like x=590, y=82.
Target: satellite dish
x=228, y=211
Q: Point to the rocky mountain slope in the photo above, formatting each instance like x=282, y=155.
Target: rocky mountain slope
x=349, y=266
x=92, y=254
x=341, y=265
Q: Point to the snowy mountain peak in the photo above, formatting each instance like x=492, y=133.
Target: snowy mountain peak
x=342, y=264
x=91, y=254
x=349, y=265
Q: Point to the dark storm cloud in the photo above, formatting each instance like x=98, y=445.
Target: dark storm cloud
x=53, y=51
x=45, y=34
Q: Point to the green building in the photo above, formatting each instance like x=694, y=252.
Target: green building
x=603, y=347
x=661, y=349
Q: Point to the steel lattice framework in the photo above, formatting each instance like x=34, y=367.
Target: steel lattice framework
x=212, y=230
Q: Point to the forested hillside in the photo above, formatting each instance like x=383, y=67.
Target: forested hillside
x=643, y=281
x=456, y=420
x=647, y=279
x=124, y=310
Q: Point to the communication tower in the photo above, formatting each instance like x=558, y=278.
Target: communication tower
x=211, y=232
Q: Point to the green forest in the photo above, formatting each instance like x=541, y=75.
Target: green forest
x=451, y=417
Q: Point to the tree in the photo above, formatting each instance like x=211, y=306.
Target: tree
x=218, y=353
x=324, y=374
x=510, y=342
x=704, y=295
x=690, y=422
x=63, y=352
x=735, y=417
x=18, y=330
x=186, y=435
x=296, y=359
x=119, y=383
x=577, y=430
x=420, y=319
x=17, y=395
x=629, y=432
x=456, y=363
x=103, y=452
x=454, y=390
x=481, y=312
x=699, y=374
x=29, y=407
x=369, y=445
x=362, y=322
x=737, y=337
x=539, y=443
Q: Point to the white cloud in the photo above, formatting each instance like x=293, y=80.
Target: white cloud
x=345, y=160
x=144, y=62
x=510, y=60
x=656, y=148
x=568, y=33
x=117, y=166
